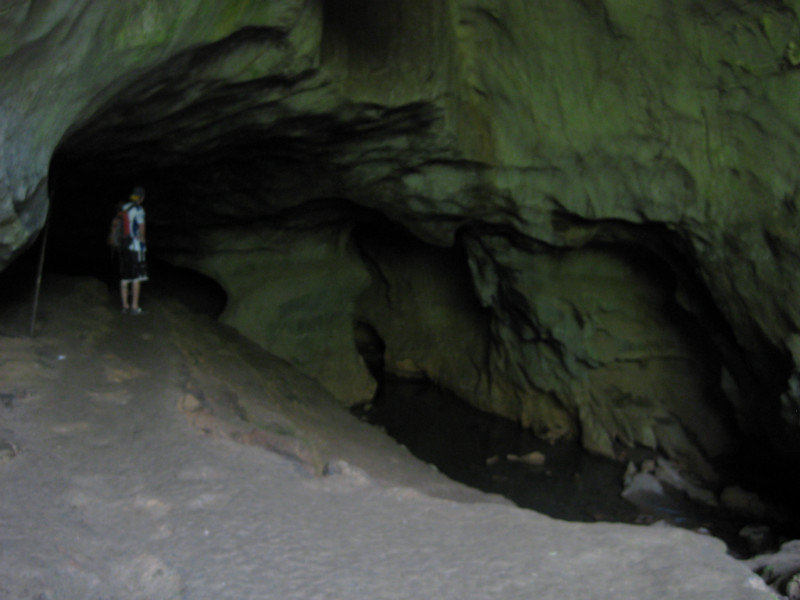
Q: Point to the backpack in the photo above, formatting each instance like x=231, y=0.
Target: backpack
x=120, y=230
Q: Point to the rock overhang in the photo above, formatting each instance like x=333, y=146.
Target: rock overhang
x=195, y=133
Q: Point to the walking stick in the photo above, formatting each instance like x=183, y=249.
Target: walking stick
x=39, y=273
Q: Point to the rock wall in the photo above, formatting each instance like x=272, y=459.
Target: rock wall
x=599, y=199
x=295, y=294
x=61, y=59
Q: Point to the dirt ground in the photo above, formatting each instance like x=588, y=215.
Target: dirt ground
x=162, y=456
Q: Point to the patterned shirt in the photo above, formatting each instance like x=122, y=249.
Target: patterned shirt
x=135, y=217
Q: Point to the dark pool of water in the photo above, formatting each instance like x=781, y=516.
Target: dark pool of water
x=472, y=447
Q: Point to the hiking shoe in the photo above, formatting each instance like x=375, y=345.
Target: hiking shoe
x=125, y=311
x=136, y=311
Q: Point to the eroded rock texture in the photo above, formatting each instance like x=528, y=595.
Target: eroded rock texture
x=581, y=215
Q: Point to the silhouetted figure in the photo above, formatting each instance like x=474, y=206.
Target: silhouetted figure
x=128, y=236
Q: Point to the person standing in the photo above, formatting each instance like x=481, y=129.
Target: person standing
x=130, y=223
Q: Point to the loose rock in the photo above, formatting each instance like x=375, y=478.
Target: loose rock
x=7, y=451
x=190, y=403
x=534, y=458
x=759, y=538
x=346, y=471
x=780, y=570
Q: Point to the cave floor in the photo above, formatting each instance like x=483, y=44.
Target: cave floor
x=126, y=471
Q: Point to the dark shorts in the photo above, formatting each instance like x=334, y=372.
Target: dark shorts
x=132, y=266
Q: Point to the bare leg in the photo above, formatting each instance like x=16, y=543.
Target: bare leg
x=123, y=292
x=137, y=287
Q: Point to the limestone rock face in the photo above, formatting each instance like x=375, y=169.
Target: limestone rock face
x=294, y=294
x=598, y=333
x=581, y=215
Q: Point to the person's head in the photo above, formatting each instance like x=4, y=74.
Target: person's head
x=137, y=195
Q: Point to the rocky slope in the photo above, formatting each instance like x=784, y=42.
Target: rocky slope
x=133, y=475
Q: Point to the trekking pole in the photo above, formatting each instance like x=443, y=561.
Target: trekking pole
x=39, y=273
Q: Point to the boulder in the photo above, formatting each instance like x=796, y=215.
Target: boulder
x=781, y=569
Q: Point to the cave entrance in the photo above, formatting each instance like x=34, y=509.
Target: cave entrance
x=89, y=176
x=76, y=246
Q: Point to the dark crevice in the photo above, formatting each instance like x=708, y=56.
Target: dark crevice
x=371, y=348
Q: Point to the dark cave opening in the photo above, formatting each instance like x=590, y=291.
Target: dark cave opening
x=76, y=245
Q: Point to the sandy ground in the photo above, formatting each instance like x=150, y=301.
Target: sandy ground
x=127, y=473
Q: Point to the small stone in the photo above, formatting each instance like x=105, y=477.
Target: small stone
x=759, y=538
x=190, y=403
x=7, y=451
x=534, y=458
x=347, y=472
x=642, y=484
